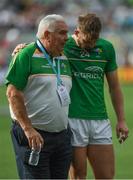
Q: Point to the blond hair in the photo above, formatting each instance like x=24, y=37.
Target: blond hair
x=91, y=24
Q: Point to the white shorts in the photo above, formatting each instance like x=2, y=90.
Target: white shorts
x=85, y=132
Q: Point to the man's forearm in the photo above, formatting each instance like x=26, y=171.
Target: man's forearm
x=16, y=101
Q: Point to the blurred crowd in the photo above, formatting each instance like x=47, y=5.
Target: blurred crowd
x=19, y=19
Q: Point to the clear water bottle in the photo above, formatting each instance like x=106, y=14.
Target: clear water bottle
x=34, y=156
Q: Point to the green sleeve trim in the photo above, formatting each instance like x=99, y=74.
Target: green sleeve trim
x=7, y=82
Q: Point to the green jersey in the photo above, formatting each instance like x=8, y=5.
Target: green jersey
x=88, y=69
x=31, y=73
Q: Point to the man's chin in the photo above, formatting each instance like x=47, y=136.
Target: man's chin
x=58, y=53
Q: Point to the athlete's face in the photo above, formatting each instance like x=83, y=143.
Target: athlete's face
x=58, y=38
x=85, y=40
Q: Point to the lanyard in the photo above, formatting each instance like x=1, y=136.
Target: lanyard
x=57, y=72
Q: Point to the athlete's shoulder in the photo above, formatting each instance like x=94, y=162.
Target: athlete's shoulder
x=104, y=42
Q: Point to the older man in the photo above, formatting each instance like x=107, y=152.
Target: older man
x=38, y=84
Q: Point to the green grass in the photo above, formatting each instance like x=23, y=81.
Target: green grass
x=124, y=155
x=123, y=152
x=7, y=158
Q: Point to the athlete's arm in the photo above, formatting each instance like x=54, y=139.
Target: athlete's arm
x=118, y=104
x=18, y=48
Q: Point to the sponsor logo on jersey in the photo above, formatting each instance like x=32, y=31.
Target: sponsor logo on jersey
x=93, y=72
x=94, y=69
x=98, y=51
x=46, y=66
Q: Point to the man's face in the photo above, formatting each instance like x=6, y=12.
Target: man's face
x=85, y=40
x=58, y=38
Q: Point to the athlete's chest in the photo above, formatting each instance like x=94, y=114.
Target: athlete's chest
x=82, y=60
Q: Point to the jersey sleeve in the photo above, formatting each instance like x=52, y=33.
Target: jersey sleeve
x=19, y=70
x=111, y=58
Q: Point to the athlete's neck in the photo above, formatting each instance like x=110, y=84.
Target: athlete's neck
x=75, y=39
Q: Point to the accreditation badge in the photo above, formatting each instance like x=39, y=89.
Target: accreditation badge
x=63, y=95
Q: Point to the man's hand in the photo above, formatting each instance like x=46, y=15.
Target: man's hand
x=34, y=138
x=122, y=131
x=18, y=48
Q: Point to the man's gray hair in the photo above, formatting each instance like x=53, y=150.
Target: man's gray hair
x=48, y=23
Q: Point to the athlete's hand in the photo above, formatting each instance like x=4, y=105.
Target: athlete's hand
x=18, y=48
x=122, y=131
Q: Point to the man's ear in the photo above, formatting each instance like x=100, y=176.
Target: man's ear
x=46, y=35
